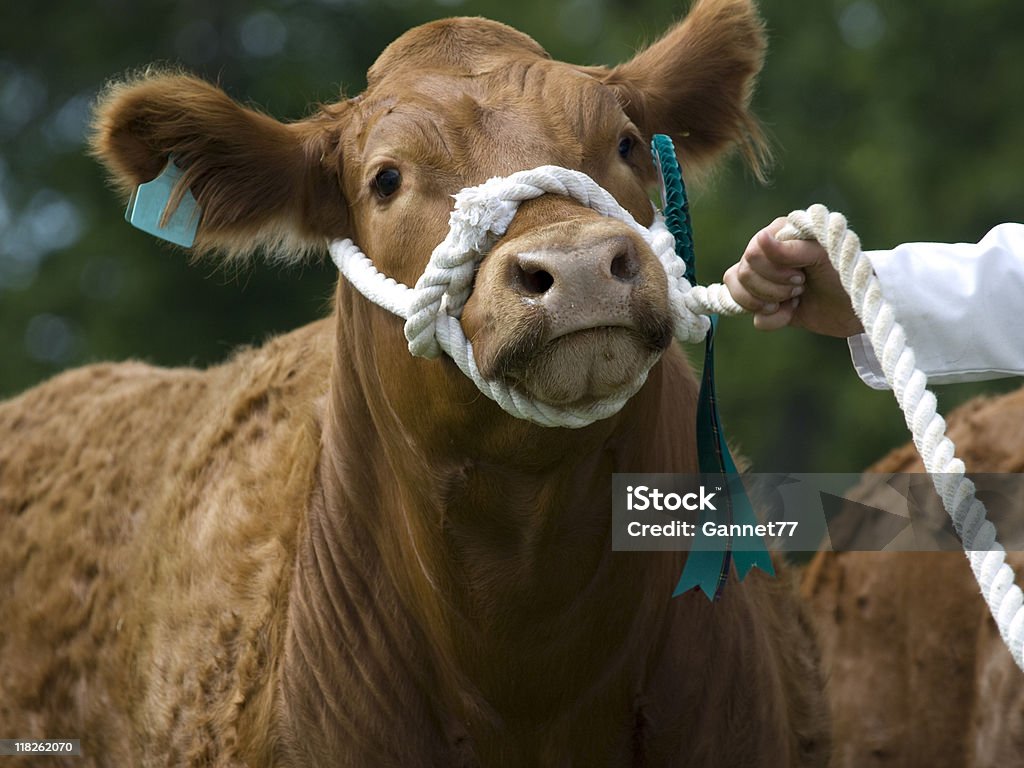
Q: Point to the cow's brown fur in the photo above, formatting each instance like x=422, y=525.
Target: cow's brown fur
x=919, y=677
x=326, y=551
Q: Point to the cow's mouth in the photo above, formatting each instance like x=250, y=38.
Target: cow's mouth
x=586, y=365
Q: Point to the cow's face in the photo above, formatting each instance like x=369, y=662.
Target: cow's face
x=568, y=305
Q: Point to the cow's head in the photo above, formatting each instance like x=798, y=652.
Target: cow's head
x=568, y=303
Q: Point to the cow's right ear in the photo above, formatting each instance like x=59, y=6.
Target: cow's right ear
x=260, y=184
x=696, y=81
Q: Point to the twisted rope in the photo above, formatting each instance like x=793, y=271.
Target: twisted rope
x=481, y=216
x=909, y=384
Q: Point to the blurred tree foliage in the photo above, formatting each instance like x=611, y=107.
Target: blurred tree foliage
x=907, y=118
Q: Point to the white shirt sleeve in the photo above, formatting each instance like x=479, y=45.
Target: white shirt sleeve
x=961, y=306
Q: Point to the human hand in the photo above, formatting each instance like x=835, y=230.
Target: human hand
x=791, y=282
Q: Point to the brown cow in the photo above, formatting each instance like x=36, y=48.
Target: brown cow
x=919, y=677
x=328, y=552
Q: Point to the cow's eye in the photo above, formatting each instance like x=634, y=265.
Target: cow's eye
x=387, y=181
x=625, y=145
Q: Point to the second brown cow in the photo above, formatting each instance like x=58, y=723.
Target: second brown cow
x=918, y=674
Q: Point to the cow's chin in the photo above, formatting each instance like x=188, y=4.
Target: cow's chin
x=587, y=365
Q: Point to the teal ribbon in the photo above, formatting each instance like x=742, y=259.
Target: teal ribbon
x=708, y=563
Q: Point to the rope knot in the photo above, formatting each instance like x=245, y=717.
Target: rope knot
x=481, y=215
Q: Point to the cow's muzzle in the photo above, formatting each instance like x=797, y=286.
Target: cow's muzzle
x=569, y=311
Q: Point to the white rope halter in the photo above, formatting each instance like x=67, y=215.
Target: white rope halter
x=481, y=216
x=909, y=384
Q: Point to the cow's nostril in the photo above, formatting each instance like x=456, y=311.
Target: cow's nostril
x=624, y=267
x=534, y=281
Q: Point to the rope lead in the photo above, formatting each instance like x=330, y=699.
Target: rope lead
x=928, y=429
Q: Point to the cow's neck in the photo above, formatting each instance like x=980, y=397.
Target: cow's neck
x=474, y=559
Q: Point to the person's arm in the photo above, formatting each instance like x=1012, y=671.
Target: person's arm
x=962, y=305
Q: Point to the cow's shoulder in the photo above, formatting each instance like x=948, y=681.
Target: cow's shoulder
x=118, y=409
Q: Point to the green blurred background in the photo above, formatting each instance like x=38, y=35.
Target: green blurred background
x=907, y=117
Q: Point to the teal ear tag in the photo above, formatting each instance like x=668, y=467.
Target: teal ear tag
x=147, y=204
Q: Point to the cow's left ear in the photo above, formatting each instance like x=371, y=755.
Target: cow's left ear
x=695, y=83
x=260, y=184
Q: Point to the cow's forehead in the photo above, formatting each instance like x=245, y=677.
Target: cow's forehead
x=528, y=113
x=463, y=46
